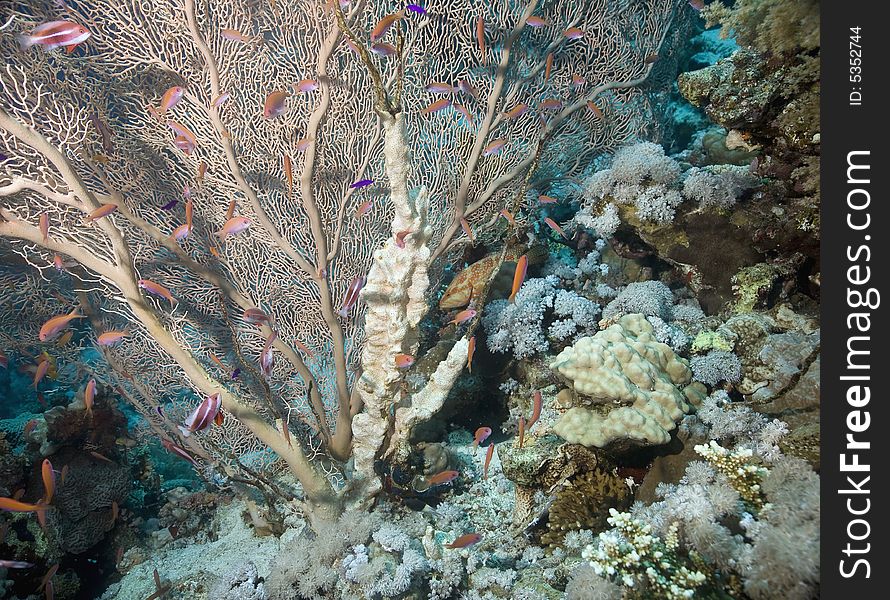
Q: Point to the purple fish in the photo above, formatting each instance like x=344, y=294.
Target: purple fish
x=203, y=416
x=171, y=205
x=235, y=373
x=416, y=8
x=160, y=410
x=362, y=183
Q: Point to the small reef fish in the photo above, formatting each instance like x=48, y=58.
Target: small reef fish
x=548, y=66
x=463, y=316
x=416, y=8
x=361, y=183
x=44, y=226
x=594, y=109
x=555, y=227
x=403, y=361
x=383, y=49
x=400, y=238
x=111, y=337
x=385, y=24
x=289, y=175
x=157, y=289
x=49, y=481
x=471, y=348
x=488, y=455
x=467, y=88
x=351, y=296
x=305, y=85
x=29, y=427
x=4, y=361
x=465, y=112
x=102, y=211
x=534, y=21
x=519, y=276
x=547, y=199
x=189, y=208
x=442, y=478
x=182, y=143
x=303, y=348
x=55, y=34
x=275, y=104
x=577, y=80
x=466, y=227
x=104, y=132
x=266, y=357
x=89, y=397
x=183, y=132
x=12, y=505
x=465, y=540
x=439, y=87
x=573, y=33
x=494, y=147
x=15, y=564
x=363, y=209
x=521, y=431
x=54, y=326
x=551, y=104
x=537, y=404
x=233, y=226
x=181, y=232
x=202, y=417
x=171, y=205
x=517, y=111
x=697, y=4
x=40, y=373
x=509, y=216
x=257, y=316
x=233, y=35
x=221, y=99
x=480, y=34
x=171, y=447
x=650, y=59
x=303, y=144
x=57, y=263
x=437, y=106
x=481, y=435
x=171, y=97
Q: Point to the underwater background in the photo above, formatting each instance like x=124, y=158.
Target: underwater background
x=441, y=300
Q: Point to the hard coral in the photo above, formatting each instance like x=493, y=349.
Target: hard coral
x=624, y=364
x=583, y=502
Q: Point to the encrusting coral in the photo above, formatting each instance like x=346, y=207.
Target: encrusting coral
x=624, y=364
x=585, y=502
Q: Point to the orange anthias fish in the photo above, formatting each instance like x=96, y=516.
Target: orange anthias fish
x=64, y=338
x=54, y=34
x=509, y=216
x=517, y=111
x=548, y=66
x=89, y=396
x=463, y=316
x=363, y=209
x=44, y=226
x=547, y=199
x=102, y=211
x=436, y=106
x=488, y=455
x=471, y=348
x=465, y=540
x=537, y=404
x=555, y=227
x=289, y=175
x=466, y=227
x=481, y=435
x=519, y=276
x=40, y=373
x=10, y=505
x=465, y=112
x=233, y=226
x=233, y=35
x=54, y=326
x=171, y=97
x=157, y=289
x=111, y=337
x=442, y=478
x=49, y=481
x=480, y=34
x=385, y=24
x=275, y=104
x=594, y=109
x=521, y=431
x=494, y=147
x=403, y=361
